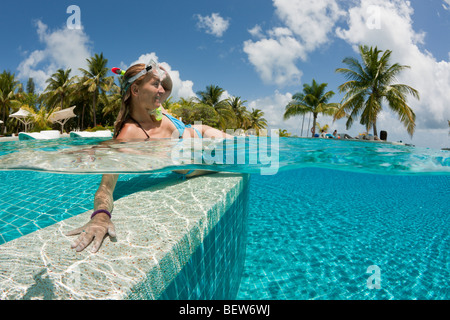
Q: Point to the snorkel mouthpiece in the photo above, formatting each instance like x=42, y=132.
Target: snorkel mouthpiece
x=158, y=114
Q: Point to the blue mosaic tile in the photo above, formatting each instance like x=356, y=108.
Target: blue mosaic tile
x=214, y=270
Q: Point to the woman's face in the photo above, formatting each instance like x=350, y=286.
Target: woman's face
x=149, y=92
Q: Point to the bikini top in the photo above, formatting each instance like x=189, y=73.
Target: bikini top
x=178, y=124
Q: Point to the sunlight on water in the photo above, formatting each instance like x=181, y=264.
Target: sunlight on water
x=243, y=154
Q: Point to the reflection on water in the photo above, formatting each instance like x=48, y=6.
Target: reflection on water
x=241, y=154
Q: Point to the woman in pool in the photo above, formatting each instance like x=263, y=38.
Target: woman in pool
x=141, y=116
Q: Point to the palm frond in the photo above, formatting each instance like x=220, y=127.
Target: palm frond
x=369, y=82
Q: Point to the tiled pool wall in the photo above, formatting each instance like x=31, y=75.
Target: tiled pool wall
x=30, y=201
x=192, y=231
x=214, y=270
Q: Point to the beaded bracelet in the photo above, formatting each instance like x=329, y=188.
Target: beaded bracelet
x=99, y=211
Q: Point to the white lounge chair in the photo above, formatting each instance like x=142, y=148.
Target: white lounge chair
x=96, y=134
x=43, y=135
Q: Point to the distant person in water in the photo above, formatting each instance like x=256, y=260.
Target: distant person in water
x=141, y=116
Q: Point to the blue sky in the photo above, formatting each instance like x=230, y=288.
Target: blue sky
x=261, y=51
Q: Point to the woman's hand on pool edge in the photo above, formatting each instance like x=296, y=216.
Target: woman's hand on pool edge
x=93, y=231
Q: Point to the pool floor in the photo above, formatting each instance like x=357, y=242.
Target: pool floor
x=30, y=201
x=313, y=233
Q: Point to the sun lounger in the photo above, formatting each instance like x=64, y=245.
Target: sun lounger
x=43, y=135
x=96, y=134
x=345, y=136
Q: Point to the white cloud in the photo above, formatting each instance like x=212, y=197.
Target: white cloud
x=446, y=5
x=63, y=48
x=279, y=32
x=256, y=31
x=181, y=88
x=273, y=107
x=429, y=76
x=225, y=95
x=308, y=24
x=311, y=20
x=274, y=59
x=213, y=24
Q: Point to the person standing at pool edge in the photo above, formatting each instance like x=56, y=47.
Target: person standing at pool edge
x=141, y=116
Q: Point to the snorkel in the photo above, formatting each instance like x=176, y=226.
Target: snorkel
x=128, y=82
x=118, y=71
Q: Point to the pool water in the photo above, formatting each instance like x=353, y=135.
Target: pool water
x=30, y=201
x=313, y=233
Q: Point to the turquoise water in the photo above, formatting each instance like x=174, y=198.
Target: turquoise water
x=317, y=240
x=333, y=209
x=30, y=201
x=244, y=154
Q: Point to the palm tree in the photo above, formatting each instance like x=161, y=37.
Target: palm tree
x=369, y=84
x=191, y=111
x=113, y=103
x=242, y=116
x=257, y=122
x=313, y=99
x=97, y=81
x=81, y=96
x=60, y=85
x=41, y=117
x=283, y=133
x=325, y=127
x=30, y=97
x=204, y=113
x=212, y=97
x=8, y=96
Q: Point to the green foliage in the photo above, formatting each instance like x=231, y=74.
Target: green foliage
x=98, y=99
x=284, y=133
x=96, y=80
x=314, y=99
x=370, y=83
x=98, y=127
x=10, y=90
x=30, y=86
x=59, y=86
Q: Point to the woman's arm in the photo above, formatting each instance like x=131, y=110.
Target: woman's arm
x=100, y=225
x=210, y=132
x=104, y=196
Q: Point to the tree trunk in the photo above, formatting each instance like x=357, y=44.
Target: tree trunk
x=94, y=102
x=4, y=122
x=375, y=129
x=82, y=117
x=301, y=135
x=313, y=129
x=309, y=122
